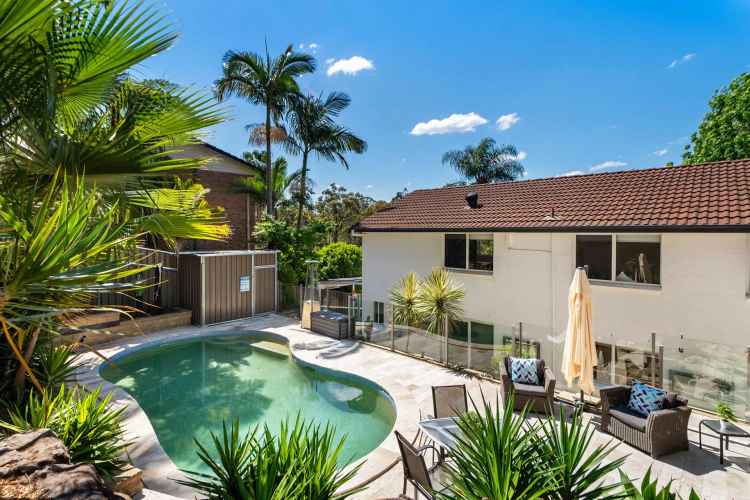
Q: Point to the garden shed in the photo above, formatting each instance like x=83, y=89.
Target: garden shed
x=228, y=285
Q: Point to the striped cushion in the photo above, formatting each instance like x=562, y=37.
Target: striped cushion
x=645, y=398
x=523, y=371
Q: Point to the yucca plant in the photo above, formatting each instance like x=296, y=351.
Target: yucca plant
x=439, y=304
x=649, y=490
x=54, y=365
x=404, y=300
x=91, y=431
x=300, y=462
x=494, y=458
x=570, y=468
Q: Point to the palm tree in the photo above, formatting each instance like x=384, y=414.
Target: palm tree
x=264, y=81
x=312, y=129
x=255, y=185
x=486, y=162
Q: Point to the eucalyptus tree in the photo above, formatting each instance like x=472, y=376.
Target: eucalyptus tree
x=486, y=162
x=268, y=81
x=312, y=129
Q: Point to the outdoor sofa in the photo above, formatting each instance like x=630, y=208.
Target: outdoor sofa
x=539, y=398
x=662, y=432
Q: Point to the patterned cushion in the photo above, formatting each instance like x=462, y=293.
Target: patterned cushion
x=523, y=371
x=645, y=398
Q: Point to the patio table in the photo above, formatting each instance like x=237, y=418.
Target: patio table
x=725, y=430
x=442, y=430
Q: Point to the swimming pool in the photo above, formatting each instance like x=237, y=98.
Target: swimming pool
x=188, y=388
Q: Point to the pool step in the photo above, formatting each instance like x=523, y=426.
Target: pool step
x=273, y=347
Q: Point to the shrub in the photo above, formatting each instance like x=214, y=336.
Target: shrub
x=340, y=260
x=54, y=366
x=91, y=431
x=300, y=463
x=295, y=245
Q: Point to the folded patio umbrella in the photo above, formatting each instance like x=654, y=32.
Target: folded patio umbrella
x=579, y=355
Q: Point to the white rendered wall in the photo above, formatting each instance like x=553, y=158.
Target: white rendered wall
x=702, y=295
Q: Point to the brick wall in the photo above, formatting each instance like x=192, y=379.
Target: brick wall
x=238, y=210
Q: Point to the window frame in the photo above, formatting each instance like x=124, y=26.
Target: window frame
x=376, y=313
x=468, y=237
x=613, y=261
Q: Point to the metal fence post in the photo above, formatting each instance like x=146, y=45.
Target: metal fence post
x=612, y=363
x=520, y=339
x=653, y=358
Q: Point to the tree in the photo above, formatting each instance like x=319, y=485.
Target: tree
x=295, y=245
x=255, y=185
x=266, y=81
x=486, y=162
x=312, y=129
x=340, y=260
x=342, y=209
x=724, y=133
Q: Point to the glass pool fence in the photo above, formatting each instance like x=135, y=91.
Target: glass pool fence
x=706, y=373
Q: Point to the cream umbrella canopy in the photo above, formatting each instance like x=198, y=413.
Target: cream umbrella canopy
x=579, y=355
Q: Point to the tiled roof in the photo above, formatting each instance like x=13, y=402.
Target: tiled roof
x=706, y=197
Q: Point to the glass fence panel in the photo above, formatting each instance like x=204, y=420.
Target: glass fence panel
x=458, y=344
x=706, y=373
x=488, y=346
x=419, y=342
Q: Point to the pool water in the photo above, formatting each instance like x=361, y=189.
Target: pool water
x=187, y=388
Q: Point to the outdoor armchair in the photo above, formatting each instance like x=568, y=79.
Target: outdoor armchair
x=539, y=398
x=662, y=432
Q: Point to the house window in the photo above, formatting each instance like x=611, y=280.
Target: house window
x=472, y=251
x=623, y=258
x=594, y=252
x=638, y=258
x=379, y=312
x=478, y=333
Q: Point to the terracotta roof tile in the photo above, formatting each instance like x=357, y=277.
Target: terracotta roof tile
x=705, y=197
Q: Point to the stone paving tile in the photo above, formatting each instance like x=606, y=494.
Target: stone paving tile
x=408, y=381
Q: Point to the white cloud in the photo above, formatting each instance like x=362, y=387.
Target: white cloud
x=608, y=164
x=661, y=152
x=330, y=61
x=507, y=121
x=455, y=123
x=572, y=172
x=369, y=186
x=682, y=60
x=350, y=66
x=521, y=155
x=313, y=46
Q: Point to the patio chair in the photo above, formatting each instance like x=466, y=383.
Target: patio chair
x=662, y=432
x=423, y=478
x=539, y=398
x=449, y=400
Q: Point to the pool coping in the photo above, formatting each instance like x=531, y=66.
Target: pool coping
x=145, y=451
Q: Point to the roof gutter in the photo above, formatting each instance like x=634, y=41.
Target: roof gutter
x=705, y=228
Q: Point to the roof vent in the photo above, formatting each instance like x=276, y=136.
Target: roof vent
x=472, y=199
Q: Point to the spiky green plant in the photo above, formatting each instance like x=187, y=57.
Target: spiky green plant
x=725, y=412
x=649, y=490
x=570, y=467
x=54, y=365
x=494, y=458
x=439, y=303
x=404, y=300
x=91, y=430
x=300, y=462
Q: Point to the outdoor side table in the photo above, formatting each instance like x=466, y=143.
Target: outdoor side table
x=725, y=430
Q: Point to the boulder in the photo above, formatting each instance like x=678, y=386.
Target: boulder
x=37, y=465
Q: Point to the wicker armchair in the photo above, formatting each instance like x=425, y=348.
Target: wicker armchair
x=662, y=432
x=539, y=398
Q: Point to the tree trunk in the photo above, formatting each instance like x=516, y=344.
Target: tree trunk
x=269, y=173
x=21, y=371
x=302, y=190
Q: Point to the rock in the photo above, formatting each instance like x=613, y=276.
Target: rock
x=38, y=464
x=129, y=481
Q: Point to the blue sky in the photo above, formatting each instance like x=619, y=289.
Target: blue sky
x=581, y=85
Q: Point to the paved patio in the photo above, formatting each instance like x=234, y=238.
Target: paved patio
x=408, y=381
